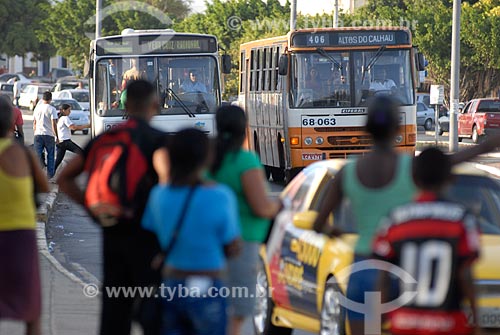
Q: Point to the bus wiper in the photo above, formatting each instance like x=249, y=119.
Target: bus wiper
x=323, y=53
x=181, y=103
x=372, y=61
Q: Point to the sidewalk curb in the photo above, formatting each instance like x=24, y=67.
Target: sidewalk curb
x=42, y=217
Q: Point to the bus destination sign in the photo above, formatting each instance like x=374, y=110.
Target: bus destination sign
x=350, y=38
x=151, y=44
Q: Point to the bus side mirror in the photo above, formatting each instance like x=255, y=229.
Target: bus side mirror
x=87, y=69
x=226, y=64
x=420, y=62
x=283, y=65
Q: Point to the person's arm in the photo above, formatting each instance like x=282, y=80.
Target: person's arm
x=81, y=127
x=254, y=188
x=67, y=179
x=230, y=230
x=489, y=144
x=39, y=177
x=161, y=163
x=467, y=286
x=331, y=202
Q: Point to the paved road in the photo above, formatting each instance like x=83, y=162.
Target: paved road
x=75, y=240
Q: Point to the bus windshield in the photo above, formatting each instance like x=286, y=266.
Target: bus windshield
x=184, y=84
x=326, y=79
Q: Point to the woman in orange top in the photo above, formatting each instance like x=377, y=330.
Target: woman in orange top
x=20, y=297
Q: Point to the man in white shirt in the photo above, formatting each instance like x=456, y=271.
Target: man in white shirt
x=193, y=85
x=45, y=129
x=382, y=83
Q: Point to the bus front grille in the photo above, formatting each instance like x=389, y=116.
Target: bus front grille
x=345, y=142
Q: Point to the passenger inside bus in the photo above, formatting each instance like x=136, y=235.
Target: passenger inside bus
x=131, y=74
x=313, y=80
x=192, y=85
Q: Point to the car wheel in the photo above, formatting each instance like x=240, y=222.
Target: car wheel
x=32, y=106
x=85, y=132
x=261, y=319
x=460, y=139
x=440, y=130
x=475, y=135
x=428, y=124
x=332, y=320
x=72, y=132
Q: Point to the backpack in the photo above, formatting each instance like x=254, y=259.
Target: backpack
x=118, y=177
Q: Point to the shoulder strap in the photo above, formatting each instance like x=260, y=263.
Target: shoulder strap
x=178, y=226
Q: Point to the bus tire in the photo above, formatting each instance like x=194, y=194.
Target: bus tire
x=278, y=174
x=268, y=171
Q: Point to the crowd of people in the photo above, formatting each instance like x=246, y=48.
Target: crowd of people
x=177, y=211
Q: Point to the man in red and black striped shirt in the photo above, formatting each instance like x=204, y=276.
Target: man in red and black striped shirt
x=435, y=241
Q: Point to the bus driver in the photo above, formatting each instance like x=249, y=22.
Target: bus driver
x=381, y=82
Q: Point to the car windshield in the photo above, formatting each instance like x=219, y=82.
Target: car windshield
x=80, y=96
x=489, y=106
x=480, y=194
x=184, y=85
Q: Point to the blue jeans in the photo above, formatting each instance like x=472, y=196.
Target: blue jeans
x=48, y=143
x=188, y=315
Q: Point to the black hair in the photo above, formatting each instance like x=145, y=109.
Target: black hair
x=231, y=131
x=383, y=118
x=5, y=116
x=64, y=107
x=431, y=169
x=189, y=150
x=139, y=93
x=47, y=96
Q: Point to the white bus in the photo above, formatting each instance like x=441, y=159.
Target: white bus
x=185, y=69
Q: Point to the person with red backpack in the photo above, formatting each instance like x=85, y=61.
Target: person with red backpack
x=120, y=177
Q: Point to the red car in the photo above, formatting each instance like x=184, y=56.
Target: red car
x=479, y=117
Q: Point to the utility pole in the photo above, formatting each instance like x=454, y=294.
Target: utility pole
x=98, y=20
x=293, y=15
x=336, y=15
x=455, y=76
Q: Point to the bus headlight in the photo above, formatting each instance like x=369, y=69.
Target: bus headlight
x=399, y=139
x=320, y=140
x=308, y=141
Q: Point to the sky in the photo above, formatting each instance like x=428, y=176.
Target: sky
x=304, y=6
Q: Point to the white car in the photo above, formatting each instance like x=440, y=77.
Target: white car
x=78, y=116
x=32, y=94
x=80, y=95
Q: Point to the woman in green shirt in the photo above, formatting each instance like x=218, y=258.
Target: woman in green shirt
x=242, y=172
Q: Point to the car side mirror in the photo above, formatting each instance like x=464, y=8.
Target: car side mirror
x=226, y=64
x=283, y=65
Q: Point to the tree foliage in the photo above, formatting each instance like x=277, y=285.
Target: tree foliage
x=70, y=24
x=19, y=21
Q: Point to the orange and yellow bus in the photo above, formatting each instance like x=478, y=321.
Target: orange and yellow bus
x=306, y=93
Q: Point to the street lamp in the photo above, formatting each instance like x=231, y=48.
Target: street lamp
x=98, y=20
x=455, y=76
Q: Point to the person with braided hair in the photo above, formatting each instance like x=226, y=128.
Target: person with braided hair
x=375, y=184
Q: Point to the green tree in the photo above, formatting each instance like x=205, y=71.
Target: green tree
x=19, y=21
x=70, y=24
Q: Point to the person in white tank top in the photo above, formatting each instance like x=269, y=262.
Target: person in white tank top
x=64, y=128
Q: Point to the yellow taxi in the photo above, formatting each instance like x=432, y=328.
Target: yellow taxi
x=297, y=265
